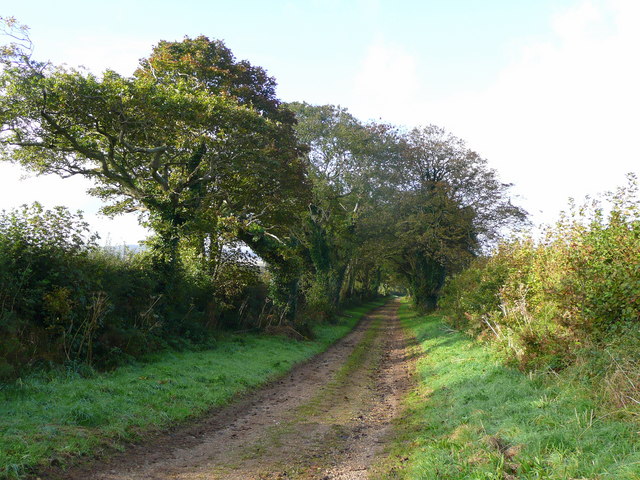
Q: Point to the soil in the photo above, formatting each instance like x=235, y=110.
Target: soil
x=329, y=418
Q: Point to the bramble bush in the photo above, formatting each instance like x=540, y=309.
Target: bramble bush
x=571, y=298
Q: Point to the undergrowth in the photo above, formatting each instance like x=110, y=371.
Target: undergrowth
x=569, y=301
x=64, y=301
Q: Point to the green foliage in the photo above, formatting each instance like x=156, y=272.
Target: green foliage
x=555, y=302
x=471, y=417
x=195, y=141
x=199, y=145
x=40, y=251
x=64, y=300
x=390, y=207
x=449, y=205
x=345, y=163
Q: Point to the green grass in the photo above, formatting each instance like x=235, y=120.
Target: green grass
x=64, y=416
x=472, y=418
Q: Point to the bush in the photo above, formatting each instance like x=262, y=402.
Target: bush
x=64, y=300
x=548, y=302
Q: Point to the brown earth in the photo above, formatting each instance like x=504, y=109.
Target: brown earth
x=330, y=418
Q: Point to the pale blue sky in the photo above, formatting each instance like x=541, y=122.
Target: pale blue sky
x=311, y=47
x=546, y=90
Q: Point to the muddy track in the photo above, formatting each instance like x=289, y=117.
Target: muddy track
x=327, y=419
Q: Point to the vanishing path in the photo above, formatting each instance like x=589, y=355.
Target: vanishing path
x=327, y=419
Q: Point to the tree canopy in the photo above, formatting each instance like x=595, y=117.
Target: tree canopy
x=200, y=145
x=194, y=139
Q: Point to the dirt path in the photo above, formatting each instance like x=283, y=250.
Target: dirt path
x=327, y=419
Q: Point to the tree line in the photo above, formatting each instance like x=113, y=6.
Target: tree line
x=198, y=144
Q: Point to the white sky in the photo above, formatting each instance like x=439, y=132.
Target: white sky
x=549, y=94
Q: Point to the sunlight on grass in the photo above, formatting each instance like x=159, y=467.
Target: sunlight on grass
x=44, y=419
x=472, y=418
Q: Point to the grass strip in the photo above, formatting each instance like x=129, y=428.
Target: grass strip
x=56, y=418
x=316, y=407
x=472, y=418
x=362, y=351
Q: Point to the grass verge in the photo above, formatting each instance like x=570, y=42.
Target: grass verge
x=328, y=406
x=55, y=419
x=472, y=418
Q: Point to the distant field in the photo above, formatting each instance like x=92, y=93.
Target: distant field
x=56, y=418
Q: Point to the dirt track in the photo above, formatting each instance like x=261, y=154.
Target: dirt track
x=328, y=419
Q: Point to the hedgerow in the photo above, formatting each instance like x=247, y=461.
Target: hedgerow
x=568, y=299
x=66, y=301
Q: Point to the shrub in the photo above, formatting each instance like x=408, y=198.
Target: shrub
x=577, y=288
x=64, y=300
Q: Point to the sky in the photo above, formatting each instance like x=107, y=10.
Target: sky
x=546, y=90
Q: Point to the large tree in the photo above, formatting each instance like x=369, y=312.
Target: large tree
x=195, y=139
x=348, y=171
